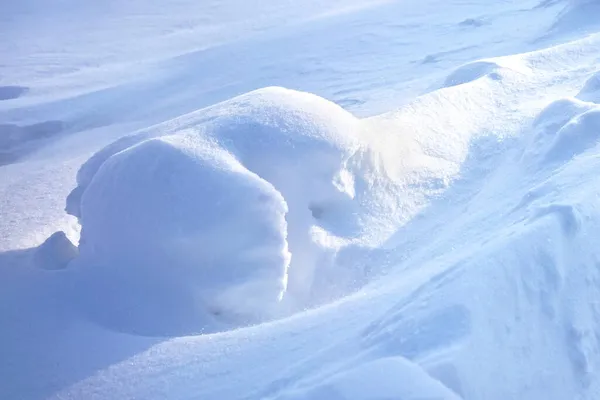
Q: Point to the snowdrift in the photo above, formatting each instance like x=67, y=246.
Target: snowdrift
x=176, y=233
x=195, y=222
x=149, y=206
x=446, y=249
x=493, y=256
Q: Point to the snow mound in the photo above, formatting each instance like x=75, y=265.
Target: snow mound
x=56, y=252
x=382, y=379
x=580, y=134
x=591, y=89
x=561, y=130
x=175, y=229
x=191, y=221
x=492, y=69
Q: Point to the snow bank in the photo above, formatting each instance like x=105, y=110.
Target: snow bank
x=486, y=283
x=191, y=222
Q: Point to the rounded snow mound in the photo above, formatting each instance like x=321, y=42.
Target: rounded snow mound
x=218, y=218
x=580, y=134
x=178, y=236
x=591, y=89
x=492, y=69
x=561, y=130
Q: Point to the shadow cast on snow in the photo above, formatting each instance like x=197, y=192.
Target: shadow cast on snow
x=50, y=345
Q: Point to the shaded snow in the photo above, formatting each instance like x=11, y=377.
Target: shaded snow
x=386, y=378
x=177, y=236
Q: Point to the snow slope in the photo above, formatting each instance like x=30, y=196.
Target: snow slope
x=443, y=249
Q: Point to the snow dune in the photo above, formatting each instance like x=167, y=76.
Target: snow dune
x=154, y=209
x=296, y=175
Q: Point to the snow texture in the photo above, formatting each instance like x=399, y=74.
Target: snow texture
x=156, y=212
x=386, y=378
x=416, y=217
x=175, y=229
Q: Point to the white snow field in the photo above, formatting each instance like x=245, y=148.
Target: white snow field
x=300, y=200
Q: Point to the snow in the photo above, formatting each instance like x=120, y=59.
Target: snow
x=56, y=252
x=386, y=378
x=415, y=216
x=171, y=190
x=177, y=232
x=577, y=15
x=591, y=91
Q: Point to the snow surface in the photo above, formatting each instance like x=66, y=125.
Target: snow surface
x=177, y=233
x=177, y=225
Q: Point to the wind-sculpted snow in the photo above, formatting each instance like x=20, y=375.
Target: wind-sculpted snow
x=177, y=236
x=385, y=378
x=340, y=186
x=490, y=258
x=276, y=246
x=194, y=222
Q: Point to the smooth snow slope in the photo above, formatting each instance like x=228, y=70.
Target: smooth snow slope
x=469, y=268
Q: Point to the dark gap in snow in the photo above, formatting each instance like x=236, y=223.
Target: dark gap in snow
x=12, y=92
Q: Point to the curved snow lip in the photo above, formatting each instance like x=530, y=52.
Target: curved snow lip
x=308, y=166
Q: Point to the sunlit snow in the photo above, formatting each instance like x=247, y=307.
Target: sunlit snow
x=300, y=200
